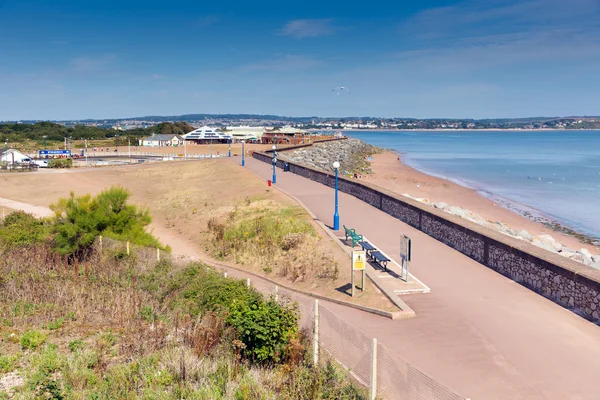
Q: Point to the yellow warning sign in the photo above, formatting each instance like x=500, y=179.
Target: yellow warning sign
x=359, y=260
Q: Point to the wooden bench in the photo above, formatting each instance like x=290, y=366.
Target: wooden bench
x=379, y=259
x=351, y=233
x=367, y=247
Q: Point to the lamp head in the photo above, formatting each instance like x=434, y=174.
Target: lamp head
x=336, y=165
x=274, y=147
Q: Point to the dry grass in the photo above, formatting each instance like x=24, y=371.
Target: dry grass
x=183, y=197
x=119, y=341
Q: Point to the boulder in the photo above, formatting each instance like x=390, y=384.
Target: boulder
x=543, y=245
x=547, y=242
x=586, y=253
x=459, y=212
x=441, y=205
x=523, y=234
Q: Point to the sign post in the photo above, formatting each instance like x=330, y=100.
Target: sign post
x=55, y=153
x=359, y=260
x=405, y=256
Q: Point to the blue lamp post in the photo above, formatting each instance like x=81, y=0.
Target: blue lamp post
x=336, y=215
x=274, y=164
x=229, y=143
x=243, y=153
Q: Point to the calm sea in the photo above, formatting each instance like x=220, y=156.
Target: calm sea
x=556, y=173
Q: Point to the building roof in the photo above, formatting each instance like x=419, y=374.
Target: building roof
x=162, y=138
x=206, y=133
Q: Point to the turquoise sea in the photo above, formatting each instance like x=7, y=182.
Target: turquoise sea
x=552, y=174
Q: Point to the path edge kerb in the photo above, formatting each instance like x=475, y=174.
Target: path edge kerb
x=388, y=314
x=405, y=313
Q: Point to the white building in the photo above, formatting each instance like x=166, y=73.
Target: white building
x=11, y=156
x=162, y=140
x=207, y=133
x=248, y=133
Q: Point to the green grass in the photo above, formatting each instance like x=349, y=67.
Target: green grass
x=33, y=339
x=8, y=362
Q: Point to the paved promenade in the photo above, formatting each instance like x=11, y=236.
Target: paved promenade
x=477, y=332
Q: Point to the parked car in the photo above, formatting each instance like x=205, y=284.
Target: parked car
x=41, y=163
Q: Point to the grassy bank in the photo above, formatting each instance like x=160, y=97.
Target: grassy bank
x=119, y=328
x=278, y=240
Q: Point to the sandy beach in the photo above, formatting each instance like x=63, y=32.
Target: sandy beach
x=391, y=173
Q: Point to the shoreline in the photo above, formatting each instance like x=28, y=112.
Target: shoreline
x=390, y=171
x=460, y=130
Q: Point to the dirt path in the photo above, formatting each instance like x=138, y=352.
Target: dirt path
x=38, y=211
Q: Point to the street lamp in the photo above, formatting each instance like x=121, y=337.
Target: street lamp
x=243, y=153
x=6, y=145
x=336, y=215
x=229, y=151
x=44, y=141
x=274, y=164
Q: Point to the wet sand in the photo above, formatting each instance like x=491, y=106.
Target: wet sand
x=391, y=173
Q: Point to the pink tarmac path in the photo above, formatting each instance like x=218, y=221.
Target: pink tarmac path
x=477, y=332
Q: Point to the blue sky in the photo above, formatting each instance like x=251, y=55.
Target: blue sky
x=464, y=59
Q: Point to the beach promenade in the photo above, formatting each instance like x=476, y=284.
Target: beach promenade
x=477, y=332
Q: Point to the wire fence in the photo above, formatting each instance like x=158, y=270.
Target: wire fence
x=394, y=378
x=370, y=363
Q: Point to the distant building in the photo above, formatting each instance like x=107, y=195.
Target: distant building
x=162, y=140
x=247, y=133
x=207, y=134
x=11, y=156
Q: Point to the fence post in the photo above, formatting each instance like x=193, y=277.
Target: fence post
x=248, y=282
x=316, y=335
x=225, y=274
x=276, y=293
x=128, y=247
x=101, y=243
x=157, y=254
x=373, y=388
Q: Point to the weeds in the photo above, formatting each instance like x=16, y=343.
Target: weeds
x=172, y=332
x=277, y=240
x=33, y=339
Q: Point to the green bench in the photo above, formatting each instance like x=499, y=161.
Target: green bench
x=355, y=237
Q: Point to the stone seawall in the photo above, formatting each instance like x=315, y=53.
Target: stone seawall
x=566, y=282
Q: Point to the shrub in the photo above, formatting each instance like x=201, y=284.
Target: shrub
x=8, y=363
x=60, y=163
x=32, y=339
x=79, y=220
x=265, y=328
x=75, y=345
x=20, y=228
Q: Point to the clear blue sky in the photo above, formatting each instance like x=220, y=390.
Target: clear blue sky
x=476, y=59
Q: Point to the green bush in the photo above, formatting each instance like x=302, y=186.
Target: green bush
x=32, y=339
x=20, y=228
x=8, y=363
x=264, y=326
x=79, y=220
x=60, y=163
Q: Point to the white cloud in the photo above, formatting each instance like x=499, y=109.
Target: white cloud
x=305, y=28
